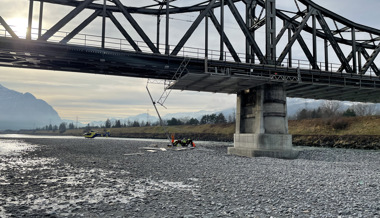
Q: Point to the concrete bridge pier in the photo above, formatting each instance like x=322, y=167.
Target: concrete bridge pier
x=262, y=124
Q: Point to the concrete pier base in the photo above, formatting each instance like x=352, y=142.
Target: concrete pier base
x=262, y=124
x=263, y=145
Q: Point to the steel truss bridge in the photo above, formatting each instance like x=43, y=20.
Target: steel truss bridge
x=262, y=47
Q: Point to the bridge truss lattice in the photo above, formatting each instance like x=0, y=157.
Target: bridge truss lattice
x=221, y=36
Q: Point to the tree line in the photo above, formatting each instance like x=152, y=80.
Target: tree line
x=62, y=127
x=206, y=119
x=330, y=109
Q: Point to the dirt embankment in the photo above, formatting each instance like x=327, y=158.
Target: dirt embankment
x=338, y=141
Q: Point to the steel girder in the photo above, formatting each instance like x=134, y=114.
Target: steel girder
x=201, y=7
x=299, y=23
x=334, y=43
x=246, y=31
x=270, y=31
x=192, y=28
x=8, y=28
x=123, y=31
x=49, y=33
x=136, y=26
x=80, y=27
x=225, y=37
x=294, y=37
x=370, y=60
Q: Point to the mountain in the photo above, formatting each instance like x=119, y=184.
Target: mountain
x=24, y=111
x=297, y=104
x=294, y=105
x=141, y=118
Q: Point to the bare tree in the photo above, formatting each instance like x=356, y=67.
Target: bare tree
x=330, y=108
x=364, y=109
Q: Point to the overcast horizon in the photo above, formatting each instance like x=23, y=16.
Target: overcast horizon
x=98, y=97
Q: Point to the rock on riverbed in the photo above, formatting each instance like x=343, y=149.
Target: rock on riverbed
x=114, y=178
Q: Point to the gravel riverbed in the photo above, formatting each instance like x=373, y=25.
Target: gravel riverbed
x=75, y=177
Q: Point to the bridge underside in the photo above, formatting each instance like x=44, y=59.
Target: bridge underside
x=305, y=85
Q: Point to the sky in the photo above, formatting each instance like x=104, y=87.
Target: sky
x=90, y=97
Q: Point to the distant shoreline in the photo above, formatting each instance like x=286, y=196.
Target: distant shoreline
x=358, y=132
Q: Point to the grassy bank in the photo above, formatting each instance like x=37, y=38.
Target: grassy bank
x=333, y=126
x=336, y=126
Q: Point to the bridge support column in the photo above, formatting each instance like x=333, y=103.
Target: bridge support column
x=262, y=124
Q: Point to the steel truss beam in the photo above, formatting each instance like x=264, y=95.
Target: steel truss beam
x=8, y=28
x=201, y=7
x=65, y=20
x=250, y=15
x=286, y=27
x=123, y=31
x=334, y=43
x=246, y=31
x=225, y=38
x=80, y=27
x=270, y=31
x=293, y=23
x=136, y=26
x=306, y=50
x=294, y=37
x=349, y=58
x=192, y=28
x=140, y=10
x=370, y=61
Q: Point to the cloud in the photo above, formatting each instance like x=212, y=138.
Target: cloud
x=98, y=97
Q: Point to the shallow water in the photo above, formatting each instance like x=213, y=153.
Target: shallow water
x=14, y=147
x=65, y=187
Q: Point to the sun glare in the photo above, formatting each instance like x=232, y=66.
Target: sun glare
x=19, y=26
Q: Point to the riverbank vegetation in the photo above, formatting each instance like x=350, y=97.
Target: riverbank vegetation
x=369, y=125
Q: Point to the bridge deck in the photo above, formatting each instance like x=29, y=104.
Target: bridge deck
x=222, y=77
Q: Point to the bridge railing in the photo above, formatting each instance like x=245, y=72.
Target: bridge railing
x=89, y=40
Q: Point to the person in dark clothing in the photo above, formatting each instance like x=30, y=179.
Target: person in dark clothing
x=184, y=143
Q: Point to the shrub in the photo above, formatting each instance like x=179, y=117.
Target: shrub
x=339, y=124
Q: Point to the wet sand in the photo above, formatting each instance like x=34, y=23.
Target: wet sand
x=75, y=177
